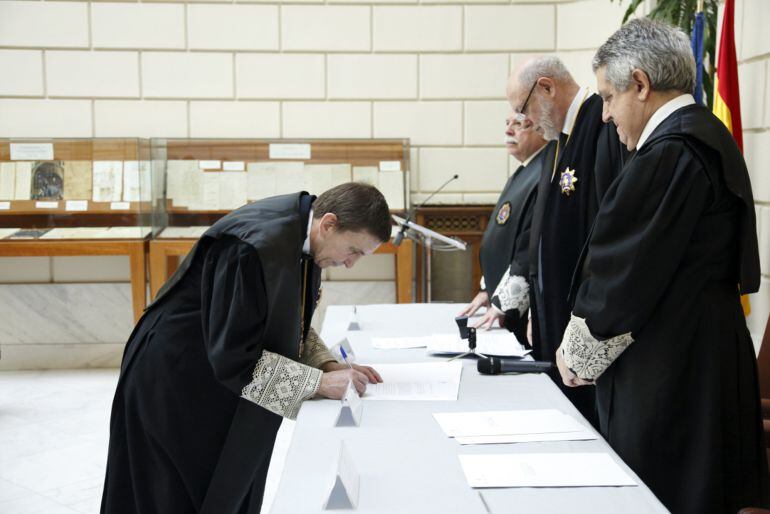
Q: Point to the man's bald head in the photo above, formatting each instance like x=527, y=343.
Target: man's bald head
x=552, y=90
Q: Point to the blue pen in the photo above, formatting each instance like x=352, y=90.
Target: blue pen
x=345, y=357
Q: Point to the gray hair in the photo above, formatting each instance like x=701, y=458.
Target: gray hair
x=663, y=52
x=548, y=66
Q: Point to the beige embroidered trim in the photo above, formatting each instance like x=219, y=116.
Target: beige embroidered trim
x=513, y=293
x=316, y=353
x=280, y=385
x=585, y=355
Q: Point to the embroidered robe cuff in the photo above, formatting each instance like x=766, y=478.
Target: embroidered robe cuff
x=586, y=356
x=512, y=293
x=316, y=353
x=280, y=384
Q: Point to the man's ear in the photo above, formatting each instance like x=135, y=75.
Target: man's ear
x=327, y=223
x=547, y=85
x=641, y=84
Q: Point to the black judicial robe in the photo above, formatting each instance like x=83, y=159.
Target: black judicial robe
x=181, y=438
x=674, y=237
x=505, y=244
x=562, y=219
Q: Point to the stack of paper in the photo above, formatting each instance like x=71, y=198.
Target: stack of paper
x=515, y=426
x=544, y=470
x=499, y=343
x=429, y=381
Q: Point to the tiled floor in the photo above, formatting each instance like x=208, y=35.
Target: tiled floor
x=53, y=441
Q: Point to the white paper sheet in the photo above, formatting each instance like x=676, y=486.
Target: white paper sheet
x=392, y=187
x=399, y=343
x=494, y=342
x=145, y=180
x=108, y=181
x=178, y=173
x=290, y=177
x=492, y=423
x=232, y=189
x=5, y=232
x=128, y=232
x=320, y=176
x=7, y=180
x=131, y=182
x=23, y=182
x=193, y=232
x=584, y=435
x=367, y=175
x=76, y=233
x=209, y=191
x=430, y=381
x=341, y=173
x=189, y=194
x=544, y=470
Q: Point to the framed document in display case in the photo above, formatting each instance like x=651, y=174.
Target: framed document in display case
x=204, y=179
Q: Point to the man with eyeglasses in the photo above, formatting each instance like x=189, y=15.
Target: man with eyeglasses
x=588, y=156
x=504, y=255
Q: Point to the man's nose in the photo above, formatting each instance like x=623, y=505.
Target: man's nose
x=606, y=116
x=351, y=260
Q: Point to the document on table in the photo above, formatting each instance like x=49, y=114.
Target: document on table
x=544, y=470
x=430, y=381
x=506, y=422
x=581, y=435
x=499, y=343
x=399, y=343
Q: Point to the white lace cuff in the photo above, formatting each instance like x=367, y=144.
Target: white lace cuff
x=513, y=293
x=585, y=355
x=316, y=353
x=280, y=384
x=482, y=283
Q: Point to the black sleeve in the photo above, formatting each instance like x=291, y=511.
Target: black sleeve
x=520, y=261
x=233, y=310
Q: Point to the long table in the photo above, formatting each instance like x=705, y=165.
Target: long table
x=405, y=462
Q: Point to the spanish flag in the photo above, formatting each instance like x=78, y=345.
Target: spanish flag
x=727, y=101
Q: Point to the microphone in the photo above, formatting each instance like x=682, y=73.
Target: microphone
x=401, y=233
x=497, y=365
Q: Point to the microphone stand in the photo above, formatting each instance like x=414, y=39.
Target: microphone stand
x=404, y=227
x=427, y=237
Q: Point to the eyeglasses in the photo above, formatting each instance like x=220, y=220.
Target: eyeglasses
x=520, y=116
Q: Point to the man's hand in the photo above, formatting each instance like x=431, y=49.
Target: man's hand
x=334, y=383
x=567, y=376
x=481, y=300
x=487, y=321
x=370, y=372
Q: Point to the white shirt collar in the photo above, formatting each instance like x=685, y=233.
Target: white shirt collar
x=529, y=159
x=574, y=107
x=306, y=244
x=663, y=112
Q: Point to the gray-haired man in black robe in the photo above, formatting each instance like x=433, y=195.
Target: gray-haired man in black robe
x=657, y=322
x=226, y=350
x=588, y=156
